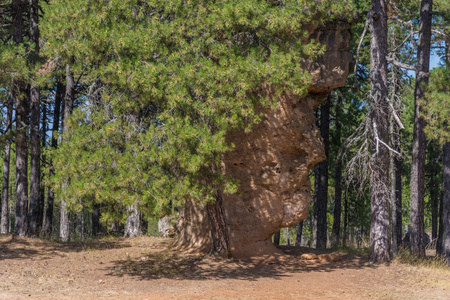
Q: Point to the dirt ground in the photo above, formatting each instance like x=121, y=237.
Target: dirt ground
x=145, y=268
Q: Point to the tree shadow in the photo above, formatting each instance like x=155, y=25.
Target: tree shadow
x=24, y=248
x=172, y=265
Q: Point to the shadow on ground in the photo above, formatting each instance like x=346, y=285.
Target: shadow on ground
x=169, y=264
x=24, y=248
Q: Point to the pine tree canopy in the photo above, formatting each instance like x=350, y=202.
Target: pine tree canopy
x=166, y=81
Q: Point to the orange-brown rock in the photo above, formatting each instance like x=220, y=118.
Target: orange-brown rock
x=330, y=257
x=309, y=256
x=272, y=162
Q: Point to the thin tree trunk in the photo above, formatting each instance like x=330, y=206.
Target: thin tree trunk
x=445, y=220
x=298, y=239
x=419, y=140
x=35, y=141
x=40, y=219
x=379, y=242
x=21, y=220
x=4, y=226
x=68, y=107
x=335, y=235
x=48, y=217
x=321, y=181
x=344, y=236
x=434, y=197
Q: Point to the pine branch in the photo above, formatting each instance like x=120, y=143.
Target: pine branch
x=401, y=65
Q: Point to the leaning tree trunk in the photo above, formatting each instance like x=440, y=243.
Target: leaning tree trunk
x=445, y=242
x=4, y=226
x=21, y=220
x=321, y=181
x=68, y=107
x=335, y=239
x=219, y=232
x=379, y=242
x=419, y=140
x=35, y=141
x=48, y=216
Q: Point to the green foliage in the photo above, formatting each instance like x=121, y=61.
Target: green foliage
x=185, y=73
x=437, y=105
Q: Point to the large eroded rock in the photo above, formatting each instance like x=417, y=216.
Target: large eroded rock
x=272, y=162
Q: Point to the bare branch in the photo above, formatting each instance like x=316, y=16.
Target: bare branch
x=394, y=113
x=401, y=65
x=359, y=45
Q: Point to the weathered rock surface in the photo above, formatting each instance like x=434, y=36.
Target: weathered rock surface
x=272, y=162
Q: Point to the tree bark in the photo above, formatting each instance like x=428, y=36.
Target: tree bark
x=298, y=239
x=321, y=181
x=35, y=140
x=68, y=107
x=4, y=226
x=379, y=242
x=344, y=236
x=445, y=218
x=132, y=226
x=335, y=235
x=21, y=220
x=419, y=140
x=220, y=245
x=48, y=217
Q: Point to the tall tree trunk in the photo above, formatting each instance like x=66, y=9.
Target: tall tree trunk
x=68, y=107
x=379, y=242
x=40, y=219
x=298, y=239
x=419, y=139
x=321, y=181
x=48, y=217
x=35, y=141
x=335, y=235
x=445, y=218
x=21, y=220
x=4, y=226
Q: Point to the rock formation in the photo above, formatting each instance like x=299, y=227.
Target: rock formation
x=272, y=162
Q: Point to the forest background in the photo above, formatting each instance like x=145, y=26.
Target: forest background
x=113, y=111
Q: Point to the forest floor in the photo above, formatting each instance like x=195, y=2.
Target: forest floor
x=146, y=268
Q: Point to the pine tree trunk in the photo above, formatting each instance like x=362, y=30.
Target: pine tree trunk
x=321, y=181
x=379, y=242
x=419, y=140
x=4, y=226
x=445, y=218
x=298, y=239
x=21, y=220
x=434, y=197
x=220, y=245
x=133, y=224
x=40, y=219
x=35, y=140
x=344, y=236
x=68, y=107
x=396, y=190
x=48, y=217
x=335, y=235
